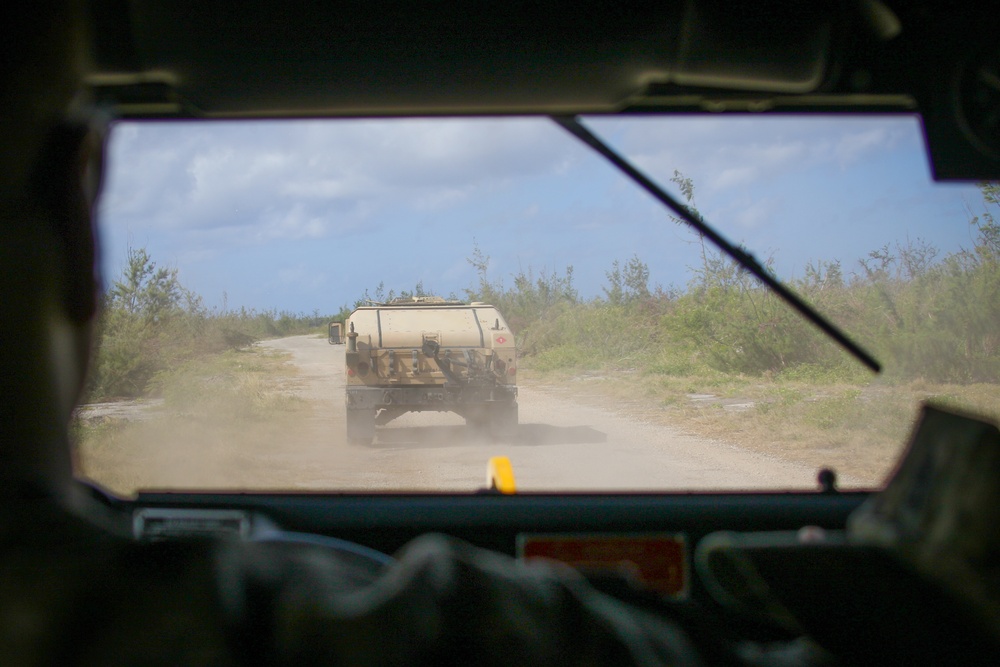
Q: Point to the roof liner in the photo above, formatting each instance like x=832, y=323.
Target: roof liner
x=363, y=58
x=311, y=58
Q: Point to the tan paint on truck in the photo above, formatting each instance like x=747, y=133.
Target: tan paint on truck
x=392, y=369
x=480, y=329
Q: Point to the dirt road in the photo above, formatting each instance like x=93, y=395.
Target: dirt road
x=560, y=445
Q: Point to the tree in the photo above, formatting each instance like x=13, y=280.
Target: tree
x=686, y=186
x=986, y=223
x=615, y=291
x=148, y=292
x=490, y=292
x=636, y=277
x=627, y=283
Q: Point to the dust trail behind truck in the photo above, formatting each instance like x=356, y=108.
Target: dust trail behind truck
x=430, y=354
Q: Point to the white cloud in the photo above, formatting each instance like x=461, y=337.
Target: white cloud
x=301, y=276
x=734, y=176
x=258, y=182
x=754, y=213
x=851, y=147
x=322, y=188
x=725, y=153
x=440, y=198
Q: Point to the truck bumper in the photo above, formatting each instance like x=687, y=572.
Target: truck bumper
x=439, y=398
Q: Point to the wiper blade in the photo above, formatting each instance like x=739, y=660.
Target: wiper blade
x=740, y=256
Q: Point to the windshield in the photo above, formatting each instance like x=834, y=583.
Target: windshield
x=249, y=340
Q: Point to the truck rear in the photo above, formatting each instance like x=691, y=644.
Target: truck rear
x=430, y=354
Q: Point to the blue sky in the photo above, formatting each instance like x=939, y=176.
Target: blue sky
x=304, y=216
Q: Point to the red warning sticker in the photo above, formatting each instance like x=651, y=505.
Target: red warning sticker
x=501, y=340
x=657, y=560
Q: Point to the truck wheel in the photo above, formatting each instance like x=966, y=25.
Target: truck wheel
x=360, y=426
x=503, y=420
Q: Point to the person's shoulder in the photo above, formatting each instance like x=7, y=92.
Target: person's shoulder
x=84, y=594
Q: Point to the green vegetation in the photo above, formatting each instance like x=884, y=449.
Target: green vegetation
x=151, y=325
x=927, y=318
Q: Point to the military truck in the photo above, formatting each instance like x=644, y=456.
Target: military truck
x=335, y=333
x=430, y=354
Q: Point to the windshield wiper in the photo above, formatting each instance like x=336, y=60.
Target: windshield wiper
x=740, y=256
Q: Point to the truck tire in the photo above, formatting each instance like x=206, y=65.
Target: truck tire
x=503, y=420
x=360, y=426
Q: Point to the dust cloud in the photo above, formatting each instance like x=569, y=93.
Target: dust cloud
x=561, y=444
